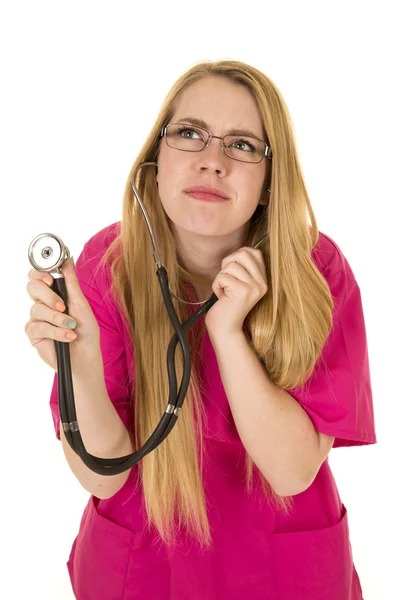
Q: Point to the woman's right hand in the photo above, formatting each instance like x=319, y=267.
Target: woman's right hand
x=47, y=322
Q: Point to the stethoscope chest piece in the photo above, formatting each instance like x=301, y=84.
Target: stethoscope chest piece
x=47, y=252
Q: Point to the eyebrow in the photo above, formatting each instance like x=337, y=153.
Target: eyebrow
x=201, y=123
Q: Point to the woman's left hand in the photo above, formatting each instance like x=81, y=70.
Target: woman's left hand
x=240, y=284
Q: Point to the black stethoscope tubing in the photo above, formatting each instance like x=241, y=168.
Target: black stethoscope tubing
x=113, y=466
x=66, y=401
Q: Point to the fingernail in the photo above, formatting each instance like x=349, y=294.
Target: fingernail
x=60, y=306
x=47, y=280
x=69, y=323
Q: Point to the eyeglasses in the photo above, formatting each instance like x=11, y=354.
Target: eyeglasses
x=182, y=136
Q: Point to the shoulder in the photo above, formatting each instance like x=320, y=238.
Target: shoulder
x=328, y=257
x=89, y=268
x=100, y=241
x=338, y=273
x=96, y=246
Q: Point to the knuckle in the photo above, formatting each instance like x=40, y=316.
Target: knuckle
x=56, y=298
x=34, y=274
x=61, y=334
x=32, y=289
x=29, y=330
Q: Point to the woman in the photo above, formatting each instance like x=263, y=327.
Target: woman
x=239, y=500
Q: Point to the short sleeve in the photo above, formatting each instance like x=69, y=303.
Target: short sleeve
x=338, y=397
x=95, y=286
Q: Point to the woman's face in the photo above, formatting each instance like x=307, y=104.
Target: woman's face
x=225, y=107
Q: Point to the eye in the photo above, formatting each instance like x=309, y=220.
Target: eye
x=240, y=143
x=187, y=131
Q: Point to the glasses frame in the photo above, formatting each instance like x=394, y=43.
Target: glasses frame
x=267, y=153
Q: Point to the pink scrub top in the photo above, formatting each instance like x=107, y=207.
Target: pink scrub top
x=258, y=554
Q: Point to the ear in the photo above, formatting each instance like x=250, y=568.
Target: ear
x=265, y=199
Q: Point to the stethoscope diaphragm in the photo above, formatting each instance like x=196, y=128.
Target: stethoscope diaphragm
x=47, y=252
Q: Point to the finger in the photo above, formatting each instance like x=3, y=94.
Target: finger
x=255, y=253
x=40, y=292
x=40, y=330
x=224, y=282
x=241, y=274
x=41, y=312
x=246, y=261
x=46, y=277
x=221, y=281
x=238, y=271
x=74, y=291
x=251, y=259
x=258, y=257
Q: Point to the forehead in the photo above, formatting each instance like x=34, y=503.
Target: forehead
x=221, y=103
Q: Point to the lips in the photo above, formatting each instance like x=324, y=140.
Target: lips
x=206, y=189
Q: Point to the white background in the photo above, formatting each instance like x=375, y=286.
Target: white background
x=81, y=84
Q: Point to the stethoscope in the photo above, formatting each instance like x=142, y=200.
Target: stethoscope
x=47, y=253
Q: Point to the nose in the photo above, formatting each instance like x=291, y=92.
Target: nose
x=212, y=157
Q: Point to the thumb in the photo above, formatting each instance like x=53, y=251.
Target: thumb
x=71, y=281
x=68, y=267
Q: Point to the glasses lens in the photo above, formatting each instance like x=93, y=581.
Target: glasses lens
x=244, y=148
x=183, y=136
x=186, y=137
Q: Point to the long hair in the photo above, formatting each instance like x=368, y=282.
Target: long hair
x=287, y=328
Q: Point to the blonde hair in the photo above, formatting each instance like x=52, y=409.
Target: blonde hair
x=287, y=328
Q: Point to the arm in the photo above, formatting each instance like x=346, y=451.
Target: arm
x=275, y=430
x=103, y=433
